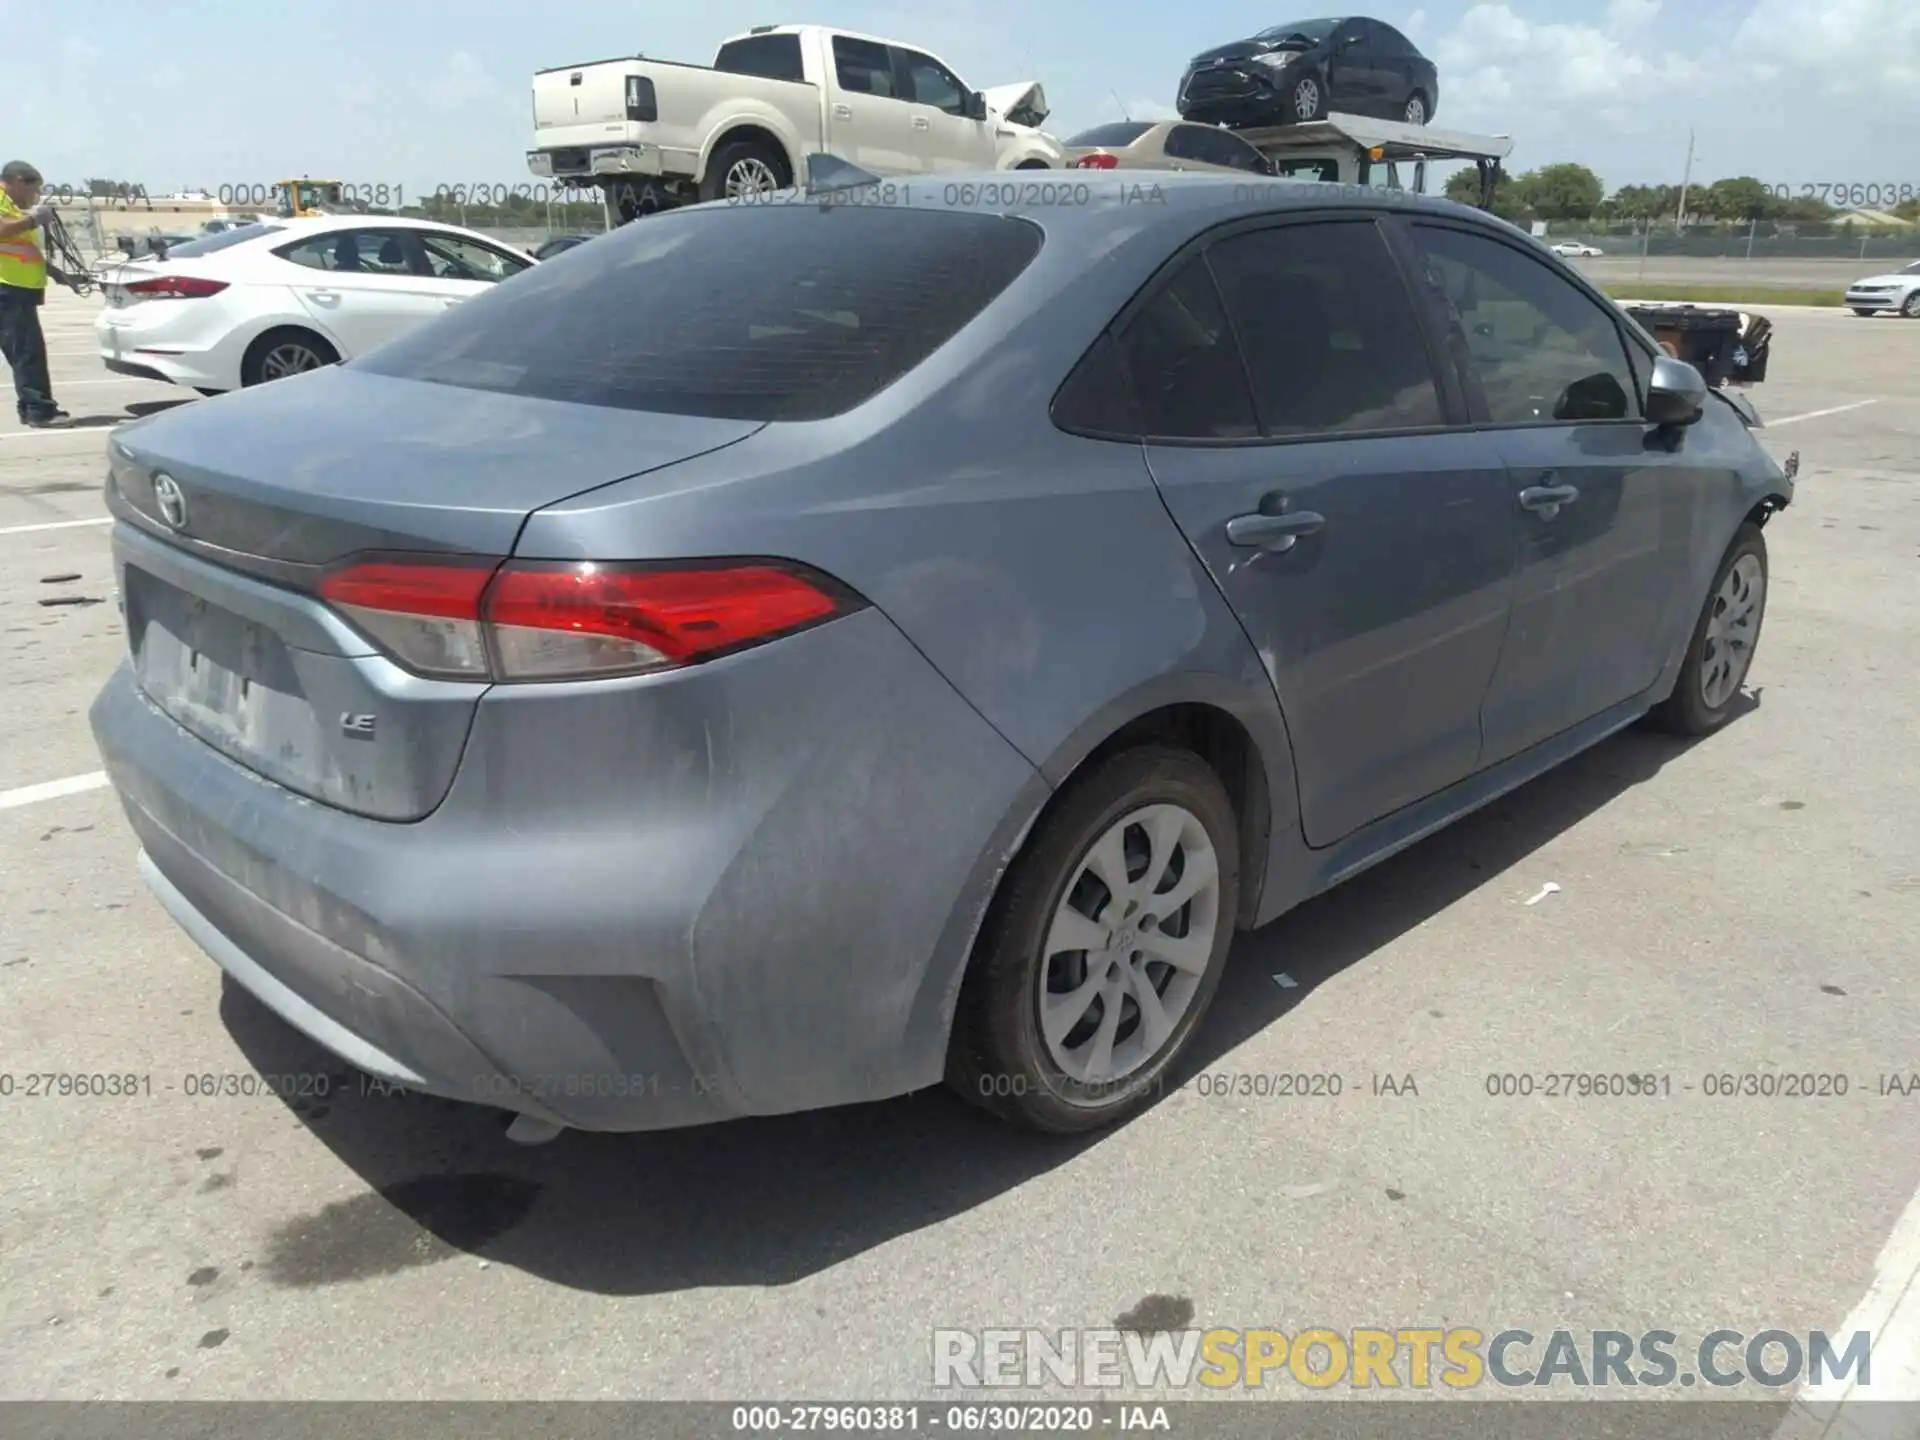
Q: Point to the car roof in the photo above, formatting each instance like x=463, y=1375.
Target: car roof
x=322, y=223
x=1191, y=199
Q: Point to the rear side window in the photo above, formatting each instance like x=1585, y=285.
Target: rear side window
x=1213, y=147
x=1180, y=354
x=1538, y=348
x=749, y=313
x=1116, y=136
x=207, y=244
x=1332, y=343
x=351, y=252
x=774, y=57
x=862, y=66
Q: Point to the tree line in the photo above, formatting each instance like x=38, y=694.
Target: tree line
x=1573, y=192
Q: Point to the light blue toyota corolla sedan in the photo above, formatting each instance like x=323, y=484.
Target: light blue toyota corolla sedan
x=788, y=654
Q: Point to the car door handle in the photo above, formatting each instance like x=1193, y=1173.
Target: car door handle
x=843, y=112
x=1276, y=533
x=1547, y=499
x=920, y=122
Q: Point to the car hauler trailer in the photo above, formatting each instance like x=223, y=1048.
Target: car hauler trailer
x=1358, y=150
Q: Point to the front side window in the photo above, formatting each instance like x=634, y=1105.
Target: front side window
x=1537, y=349
x=925, y=81
x=1332, y=341
x=454, y=257
x=1188, y=379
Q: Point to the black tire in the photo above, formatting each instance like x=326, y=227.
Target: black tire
x=1306, y=99
x=259, y=359
x=713, y=185
x=1426, y=112
x=1910, y=307
x=1033, y=165
x=1863, y=314
x=1685, y=711
x=998, y=1059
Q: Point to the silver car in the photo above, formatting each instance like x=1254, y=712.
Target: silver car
x=784, y=655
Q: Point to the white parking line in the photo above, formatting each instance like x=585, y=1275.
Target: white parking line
x=54, y=525
x=51, y=790
x=1816, y=414
x=66, y=434
x=1890, y=1312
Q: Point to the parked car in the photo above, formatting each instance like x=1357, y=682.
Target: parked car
x=1897, y=291
x=1163, y=145
x=268, y=300
x=651, y=694
x=1574, y=249
x=1306, y=68
x=771, y=98
x=558, y=245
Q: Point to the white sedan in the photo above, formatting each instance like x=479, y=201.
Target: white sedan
x=275, y=298
x=1898, y=291
x=1573, y=250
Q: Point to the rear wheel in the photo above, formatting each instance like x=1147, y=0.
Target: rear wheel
x=1307, y=99
x=280, y=353
x=1724, y=640
x=1103, y=947
x=745, y=168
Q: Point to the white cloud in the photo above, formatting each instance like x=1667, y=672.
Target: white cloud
x=461, y=81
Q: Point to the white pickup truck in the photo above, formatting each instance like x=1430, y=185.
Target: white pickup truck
x=655, y=133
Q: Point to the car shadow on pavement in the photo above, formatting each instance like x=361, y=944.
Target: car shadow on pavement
x=770, y=1201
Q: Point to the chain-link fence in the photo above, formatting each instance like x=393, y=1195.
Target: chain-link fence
x=1756, y=240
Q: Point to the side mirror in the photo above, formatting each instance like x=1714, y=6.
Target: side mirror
x=1677, y=394
x=976, y=105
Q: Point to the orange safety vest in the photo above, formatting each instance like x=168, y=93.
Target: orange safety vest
x=22, y=263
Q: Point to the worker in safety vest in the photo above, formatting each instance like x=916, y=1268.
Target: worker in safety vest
x=23, y=289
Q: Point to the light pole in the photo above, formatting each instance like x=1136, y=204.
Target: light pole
x=1686, y=180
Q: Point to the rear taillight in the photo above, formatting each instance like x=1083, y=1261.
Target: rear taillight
x=175, y=287
x=557, y=620
x=1097, y=162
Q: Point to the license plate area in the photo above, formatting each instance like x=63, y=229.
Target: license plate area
x=228, y=679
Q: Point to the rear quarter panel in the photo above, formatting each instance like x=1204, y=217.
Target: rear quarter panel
x=1037, y=571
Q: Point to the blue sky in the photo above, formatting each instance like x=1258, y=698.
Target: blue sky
x=425, y=94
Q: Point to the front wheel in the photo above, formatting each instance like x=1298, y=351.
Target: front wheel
x=1306, y=99
x=1416, y=109
x=1911, y=307
x=1103, y=947
x=1724, y=640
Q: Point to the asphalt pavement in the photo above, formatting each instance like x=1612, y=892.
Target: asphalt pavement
x=1745, y=905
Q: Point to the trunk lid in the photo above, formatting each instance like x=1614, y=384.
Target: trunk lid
x=269, y=486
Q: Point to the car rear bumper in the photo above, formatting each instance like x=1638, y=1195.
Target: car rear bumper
x=642, y=905
x=201, y=356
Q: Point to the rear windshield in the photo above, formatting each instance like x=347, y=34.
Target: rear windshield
x=776, y=57
x=207, y=244
x=762, y=312
x=1110, y=137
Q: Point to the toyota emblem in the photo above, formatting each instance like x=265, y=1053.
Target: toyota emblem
x=173, y=504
